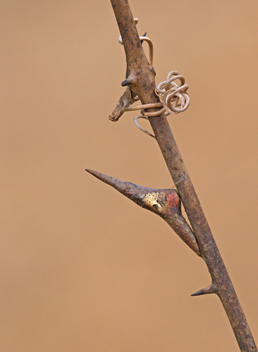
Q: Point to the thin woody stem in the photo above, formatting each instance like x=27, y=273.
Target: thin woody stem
x=140, y=77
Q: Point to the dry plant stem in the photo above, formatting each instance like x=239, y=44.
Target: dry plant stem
x=140, y=76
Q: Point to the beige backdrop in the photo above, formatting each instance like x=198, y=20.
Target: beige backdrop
x=82, y=267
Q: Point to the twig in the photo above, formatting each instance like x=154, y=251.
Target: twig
x=140, y=77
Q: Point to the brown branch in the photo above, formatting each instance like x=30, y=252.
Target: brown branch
x=140, y=77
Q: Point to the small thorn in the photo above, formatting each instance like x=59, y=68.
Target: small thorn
x=126, y=82
x=206, y=290
x=144, y=35
x=129, y=80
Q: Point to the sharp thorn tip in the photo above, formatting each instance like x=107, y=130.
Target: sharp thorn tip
x=205, y=291
x=125, y=83
x=198, y=293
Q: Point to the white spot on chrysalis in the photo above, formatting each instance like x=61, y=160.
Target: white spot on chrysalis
x=152, y=200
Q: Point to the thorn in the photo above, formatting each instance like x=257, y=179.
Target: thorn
x=129, y=80
x=144, y=35
x=126, y=83
x=206, y=290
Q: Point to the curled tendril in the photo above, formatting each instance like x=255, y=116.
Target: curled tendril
x=142, y=38
x=173, y=97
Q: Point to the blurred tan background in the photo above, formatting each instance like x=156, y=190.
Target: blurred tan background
x=82, y=267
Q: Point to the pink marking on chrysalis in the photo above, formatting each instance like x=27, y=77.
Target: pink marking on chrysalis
x=173, y=200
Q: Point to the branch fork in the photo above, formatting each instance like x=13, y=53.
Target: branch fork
x=163, y=202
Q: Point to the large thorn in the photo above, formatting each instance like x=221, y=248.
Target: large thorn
x=206, y=290
x=163, y=202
